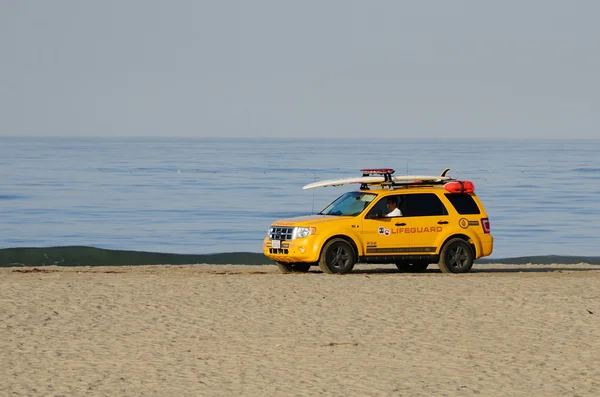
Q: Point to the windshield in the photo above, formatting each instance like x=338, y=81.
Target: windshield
x=349, y=204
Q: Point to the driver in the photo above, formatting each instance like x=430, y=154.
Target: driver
x=392, y=206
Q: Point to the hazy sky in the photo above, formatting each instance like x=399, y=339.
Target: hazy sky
x=303, y=68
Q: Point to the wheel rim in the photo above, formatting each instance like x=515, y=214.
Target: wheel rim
x=457, y=256
x=339, y=257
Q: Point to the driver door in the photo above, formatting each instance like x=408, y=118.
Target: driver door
x=384, y=235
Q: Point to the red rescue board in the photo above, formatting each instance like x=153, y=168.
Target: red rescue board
x=460, y=187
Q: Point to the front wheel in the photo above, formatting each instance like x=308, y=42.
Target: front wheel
x=456, y=257
x=415, y=267
x=299, y=267
x=337, y=257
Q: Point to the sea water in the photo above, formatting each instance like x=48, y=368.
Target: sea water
x=201, y=196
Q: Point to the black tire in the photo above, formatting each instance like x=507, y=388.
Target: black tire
x=415, y=267
x=299, y=267
x=337, y=257
x=456, y=257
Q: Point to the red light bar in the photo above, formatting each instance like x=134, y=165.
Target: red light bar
x=380, y=171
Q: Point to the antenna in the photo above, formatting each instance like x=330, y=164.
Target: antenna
x=313, y=204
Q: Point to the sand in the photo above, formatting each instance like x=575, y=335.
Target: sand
x=224, y=330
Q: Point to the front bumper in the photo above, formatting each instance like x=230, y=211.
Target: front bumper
x=299, y=250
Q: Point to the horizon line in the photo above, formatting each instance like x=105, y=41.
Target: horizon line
x=297, y=138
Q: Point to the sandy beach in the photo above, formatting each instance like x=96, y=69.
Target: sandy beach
x=225, y=330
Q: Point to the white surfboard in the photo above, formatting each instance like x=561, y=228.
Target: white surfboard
x=376, y=180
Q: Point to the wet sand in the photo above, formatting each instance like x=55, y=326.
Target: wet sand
x=227, y=330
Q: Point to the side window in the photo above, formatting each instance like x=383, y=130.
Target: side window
x=423, y=204
x=463, y=203
x=380, y=209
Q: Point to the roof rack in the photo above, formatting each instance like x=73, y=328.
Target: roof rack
x=389, y=181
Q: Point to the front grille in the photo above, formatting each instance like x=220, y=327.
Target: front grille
x=282, y=251
x=281, y=233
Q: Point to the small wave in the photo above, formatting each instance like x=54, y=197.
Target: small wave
x=543, y=260
x=10, y=197
x=92, y=256
x=587, y=170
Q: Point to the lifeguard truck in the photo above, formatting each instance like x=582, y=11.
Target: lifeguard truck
x=440, y=220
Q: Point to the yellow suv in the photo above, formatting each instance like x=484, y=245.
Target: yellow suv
x=411, y=221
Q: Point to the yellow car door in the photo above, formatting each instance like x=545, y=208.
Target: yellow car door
x=383, y=235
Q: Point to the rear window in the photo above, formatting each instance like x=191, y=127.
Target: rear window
x=423, y=204
x=463, y=203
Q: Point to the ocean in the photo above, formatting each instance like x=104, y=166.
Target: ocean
x=211, y=196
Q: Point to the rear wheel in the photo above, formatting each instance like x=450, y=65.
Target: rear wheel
x=299, y=267
x=415, y=267
x=456, y=257
x=337, y=257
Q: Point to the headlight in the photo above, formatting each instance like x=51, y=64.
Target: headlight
x=301, y=232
